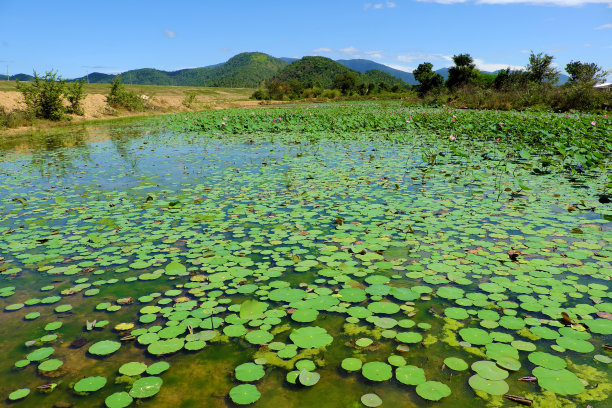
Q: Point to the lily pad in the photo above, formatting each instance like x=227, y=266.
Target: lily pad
x=90, y=384
x=456, y=364
x=146, y=387
x=493, y=387
x=433, y=390
x=371, y=400
x=118, y=400
x=489, y=370
x=249, y=372
x=50, y=365
x=104, y=347
x=244, y=394
x=352, y=364
x=377, y=371
x=410, y=375
x=308, y=378
x=133, y=368
x=562, y=382
x=547, y=360
x=158, y=368
x=19, y=394
x=311, y=337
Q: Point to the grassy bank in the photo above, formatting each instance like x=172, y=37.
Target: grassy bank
x=158, y=100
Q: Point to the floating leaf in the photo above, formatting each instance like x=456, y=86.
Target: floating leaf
x=104, y=347
x=377, y=371
x=244, y=394
x=433, y=390
x=146, y=387
x=90, y=384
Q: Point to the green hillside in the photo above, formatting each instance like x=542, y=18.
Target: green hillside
x=377, y=76
x=246, y=70
x=314, y=71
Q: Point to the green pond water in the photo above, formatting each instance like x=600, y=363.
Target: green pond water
x=336, y=248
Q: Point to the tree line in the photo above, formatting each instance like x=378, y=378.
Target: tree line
x=534, y=87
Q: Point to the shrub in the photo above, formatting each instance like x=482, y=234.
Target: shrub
x=579, y=96
x=261, y=94
x=119, y=97
x=15, y=118
x=74, y=94
x=43, y=96
x=189, y=100
x=331, y=93
x=313, y=92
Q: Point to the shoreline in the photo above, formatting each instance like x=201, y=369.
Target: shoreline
x=161, y=100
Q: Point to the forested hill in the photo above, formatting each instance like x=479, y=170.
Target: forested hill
x=245, y=70
x=250, y=69
x=363, y=65
x=313, y=71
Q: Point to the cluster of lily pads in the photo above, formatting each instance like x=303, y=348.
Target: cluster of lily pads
x=329, y=259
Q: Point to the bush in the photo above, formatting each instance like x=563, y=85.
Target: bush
x=313, y=92
x=261, y=94
x=119, y=97
x=580, y=96
x=331, y=93
x=190, y=100
x=74, y=94
x=43, y=96
x=15, y=118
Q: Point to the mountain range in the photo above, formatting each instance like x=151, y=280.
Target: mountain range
x=250, y=69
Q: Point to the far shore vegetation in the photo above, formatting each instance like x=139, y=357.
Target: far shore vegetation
x=48, y=97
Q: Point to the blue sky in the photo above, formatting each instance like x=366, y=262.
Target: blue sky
x=111, y=36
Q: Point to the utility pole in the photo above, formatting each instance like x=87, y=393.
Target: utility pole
x=8, y=77
x=87, y=76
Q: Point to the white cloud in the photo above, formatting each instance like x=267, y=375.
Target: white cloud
x=349, y=50
x=604, y=27
x=561, y=3
x=423, y=57
x=378, y=6
x=400, y=67
x=483, y=66
x=376, y=54
x=170, y=33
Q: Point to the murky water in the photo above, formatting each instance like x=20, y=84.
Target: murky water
x=243, y=217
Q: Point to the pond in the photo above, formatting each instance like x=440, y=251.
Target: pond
x=189, y=269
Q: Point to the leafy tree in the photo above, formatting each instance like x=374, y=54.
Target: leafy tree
x=43, y=96
x=428, y=79
x=347, y=83
x=540, y=68
x=507, y=79
x=119, y=97
x=278, y=89
x=295, y=89
x=463, y=73
x=585, y=73
x=75, y=96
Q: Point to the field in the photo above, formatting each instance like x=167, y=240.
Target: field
x=337, y=255
x=161, y=99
